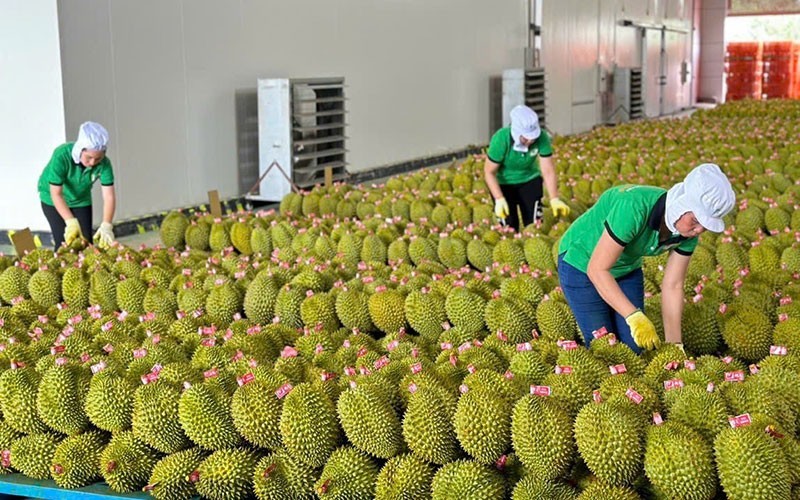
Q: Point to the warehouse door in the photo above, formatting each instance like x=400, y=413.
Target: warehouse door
x=677, y=85
x=652, y=71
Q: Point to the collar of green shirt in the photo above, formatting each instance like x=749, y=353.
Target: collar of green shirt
x=656, y=217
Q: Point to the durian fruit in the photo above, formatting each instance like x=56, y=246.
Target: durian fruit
x=109, y=402
x=130, y=295
x=75, y=461
x=555, y=321
x=13, y=284
x=156, y=420
x=170, y=477
x=508, y=315
x=61, y=397
x=542, y=437
x=240, y=237
x=173, y=229
x=610, y=441
x=309, y=428
x=205, y=415
x=369, y=421
x=75, y=287
x=197, y=235
x=748, y=332
x=348, y=473
x=479, y=254
x=452, y=252
x=530, y=487
x=33, y=454
x=700, y=328
x=226, y=475
x=103, y=290
x=465, y=309
x=679, y=462
x=279, y=476
x=256, y=412
x=600, y=490
x=260, y=298
x=18, y=389
x=223, y=302
x=425, y=312
x=751, y=464
x=404, y=476
x=467, y=480
x=7, y=436
x=427, y=424
x=44, y=287
x=126, y=463
x=386, y=308
x=220, y=237
x=352, y=310
x=483, y=424
x=703, y=411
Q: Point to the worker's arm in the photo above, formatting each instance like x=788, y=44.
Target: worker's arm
x=604, y=256
x=490, y=169
x=548, y=168
x=109, y=203
x=672, y=295
x=57, y=194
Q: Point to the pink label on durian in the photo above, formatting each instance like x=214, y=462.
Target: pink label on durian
x=139, y=353
x=381, y=362
x=245, y=379
x=212, y=373
x=57, y=349
x=778, y=350
x=672, y=384
x=563, y=369
x=525, y=346
x=97, y=368
x=657, y=420
x=283, y=390
x=689, y=364
x=740, y=420
x=634, y=396
x=541, y=390
x=568, y=345
x=617, y=369
x=736, y=376
x=416, y=368
x=600, y=332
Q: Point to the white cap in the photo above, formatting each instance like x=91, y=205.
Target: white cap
x=524, y=122
x=92, y=136
x=707, y=193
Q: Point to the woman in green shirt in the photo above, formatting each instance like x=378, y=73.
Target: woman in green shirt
x=65, y=187
x=600, y=255
x=519, y=157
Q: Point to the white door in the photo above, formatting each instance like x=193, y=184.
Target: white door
x=652, y=73
x=677, y=88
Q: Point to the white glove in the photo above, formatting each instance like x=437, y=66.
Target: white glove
x=104, y=235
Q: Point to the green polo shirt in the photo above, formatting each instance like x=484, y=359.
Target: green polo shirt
x=76, y=180
x=517, y=167
x=632, y=214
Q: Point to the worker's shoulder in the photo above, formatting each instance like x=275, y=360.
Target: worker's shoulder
x=62, y=153
x=503, y=134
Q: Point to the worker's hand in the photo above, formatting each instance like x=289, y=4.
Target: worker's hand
x=104, y=235
x=642, y=329
x=559, y=207
x=501, y=208
x=72, y=231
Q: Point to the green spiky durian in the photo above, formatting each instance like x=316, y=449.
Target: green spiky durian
x=509, y=252
x=309, y=427
x=33, y=454
x=44, y=287
x=130, y=295
x=279, y=476
x=226, y=475
x=425, y=312
x=352, y=310
x=319, y=310
x=260, y=298
x=387, y=310
x=466, y=479
x=103, y=291
x=555, y=320
x=369, y=421
x=61, y=396
x=427, y=425
x=220, y=237
x=76, y=460
x=679, y=462
x=542, y=435
x=156, y=419
x=75, y=287
x=479, y=254
x=256, y=414
x=223, y=302
x=538, y=253
x=348, y=473
x=18, y=391
x=532, y=487
x=748, y=332
x=508, y=316
x=14, y=283
x=700, y=329
x=240, y=237
x=109, y=402
x=126, y=463
x=465, y=309
x=483, y=424
x=170, y=477
x=287, y=306
x=404, y=476
x=7, y=436
x=197, y=235
x=452, y=252
x=173, y=229
x=610, y=441
x=205, y=417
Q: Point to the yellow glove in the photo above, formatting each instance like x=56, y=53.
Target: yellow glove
x=501, y=208
x=104, y=235
x=559, y=207
x=72, y=231
x=642, y=329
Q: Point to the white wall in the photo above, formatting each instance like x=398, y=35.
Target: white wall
x=712, y=49
x=162, y=75
x=31, y=106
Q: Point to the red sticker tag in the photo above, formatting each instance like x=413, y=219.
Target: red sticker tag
x=208, y=342
x=541, y=390
x=325, y=376
x=61, y=361
x=689, y=364
x=415, y=352
x=363, y=370
x=727, y=360
x=149, y=378
x=463, y=389
x=194, y=476
x=568, y=345
x=740, y=420
x=381, y=362
x=228, y=334
x=445, y=346
x=391, y=346
x=657, y=420
x=5, y=458
x=85, y=358
x=502, y=336
x=501, y=462
x=412, y=388
x=737, y=376
x=672, y=384
x=634, y=396
x=710, y=387
x=361, y=352
x=57, y=349
x=778, y=350
x=245, y=379
x=596, y=396
x=563, y=370
x=416, y=368
x=600, y=332
x=238, y=356
x=139, y=353
x=617, y=369
x=108, y=325
x=508, y=375
x=463, y=347
x=349, y=371
x=753, y=369
x=212, y=373
x=525, y=346
x=289, y=352
x=97, y=368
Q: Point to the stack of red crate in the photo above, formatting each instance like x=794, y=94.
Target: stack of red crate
x=796, y=70
x=743, y=70
x=779, y=70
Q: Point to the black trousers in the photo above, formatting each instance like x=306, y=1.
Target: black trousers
x=527, y=197
x=57, y=224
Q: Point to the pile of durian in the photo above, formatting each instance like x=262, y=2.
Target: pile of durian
x=394, y=341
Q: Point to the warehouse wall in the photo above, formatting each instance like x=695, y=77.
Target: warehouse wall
x=162, y=75
x=31, y=106
x=582, y=41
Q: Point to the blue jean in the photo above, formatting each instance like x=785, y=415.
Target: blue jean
x=591, y=311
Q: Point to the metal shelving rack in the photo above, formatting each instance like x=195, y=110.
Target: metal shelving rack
x=535, y=93
x=628, y=95
x=301, y=129
x=528, y=87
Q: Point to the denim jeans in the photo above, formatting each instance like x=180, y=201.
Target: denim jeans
x=591, y=311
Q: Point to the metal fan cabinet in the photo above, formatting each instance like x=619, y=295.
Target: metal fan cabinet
x=301, y=128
